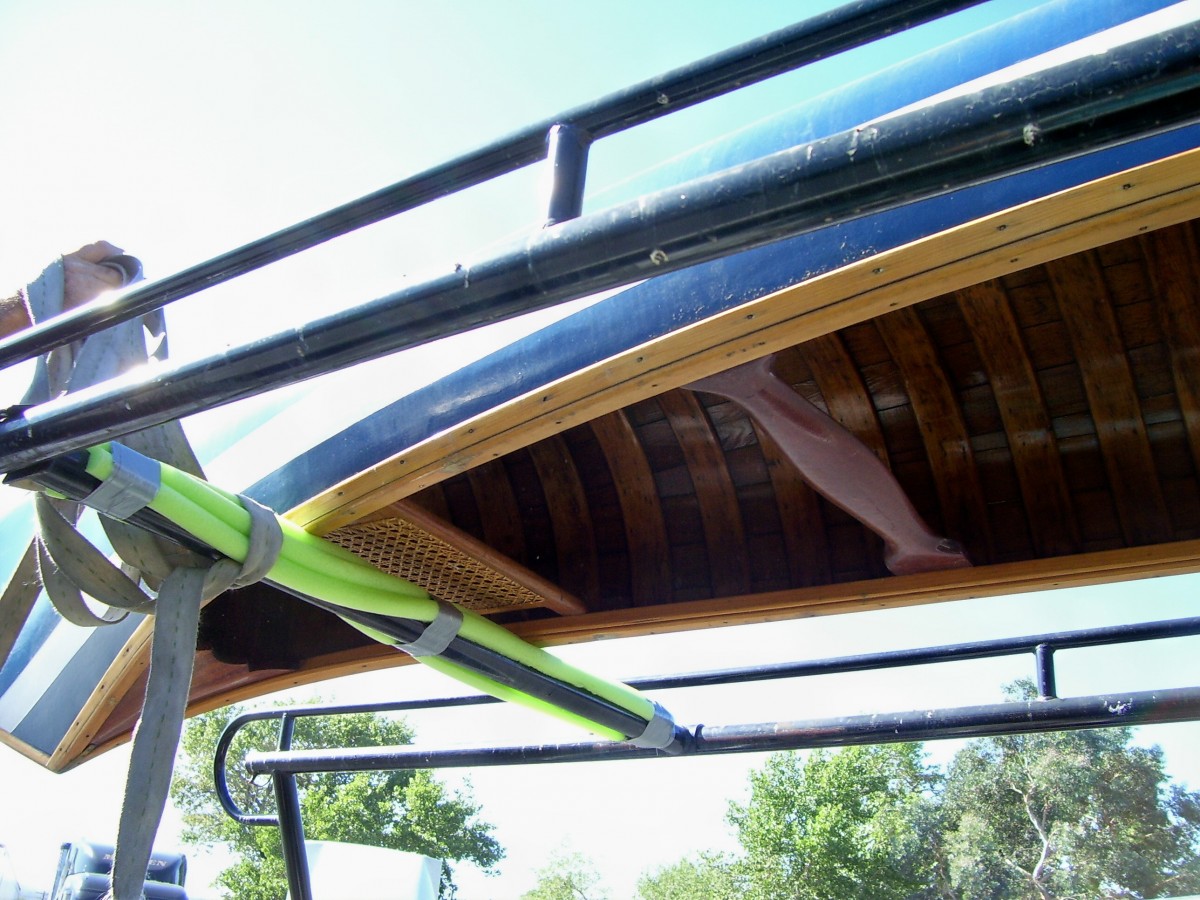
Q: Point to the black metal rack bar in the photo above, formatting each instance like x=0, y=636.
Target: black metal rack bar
x=291, y=823
x=824, y=35
x=1134, y=90
x=1044, y=713
x=1044, y=655
x=1041, y=646
x=1018, y=717
x=567, y=149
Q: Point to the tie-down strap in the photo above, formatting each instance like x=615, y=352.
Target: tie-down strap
x=172, y=653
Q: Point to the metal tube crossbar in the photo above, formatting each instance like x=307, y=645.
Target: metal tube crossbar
x=790, y=48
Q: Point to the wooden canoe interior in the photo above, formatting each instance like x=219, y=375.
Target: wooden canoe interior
x=1048, y=413
x=1047, y=418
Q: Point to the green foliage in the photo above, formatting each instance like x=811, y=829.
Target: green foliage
x=706, y=876
x=835, y=825
x=1067, y=814
x=568, y=876
x=400, y=810
x=1063, y=814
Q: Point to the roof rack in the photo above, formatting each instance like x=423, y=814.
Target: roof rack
x=1046, y=712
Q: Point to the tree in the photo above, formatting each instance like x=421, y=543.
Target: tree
x=1062, y=814
x=1065, y=814
x=706, y=876
x=567, y=876
x=400, y=810
x=844, y=824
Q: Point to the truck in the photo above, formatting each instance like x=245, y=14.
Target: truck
x=84, y=872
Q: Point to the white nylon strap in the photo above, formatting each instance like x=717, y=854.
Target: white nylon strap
x=67, y=599
x=266, y=540
x=131, y=486
x=437, y=634
x=45, y=296
x=156, y=736
x=659, y=733
x=78, y=365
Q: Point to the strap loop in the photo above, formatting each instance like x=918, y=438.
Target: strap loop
x=68, y=561
x=266, y=540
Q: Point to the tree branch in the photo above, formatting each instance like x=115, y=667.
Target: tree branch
x=1036, y=875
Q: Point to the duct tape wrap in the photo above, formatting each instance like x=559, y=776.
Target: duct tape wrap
x=659, y=733
x=133, y=484
x=437, y=634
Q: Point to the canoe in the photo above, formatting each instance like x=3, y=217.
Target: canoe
x=987, y=387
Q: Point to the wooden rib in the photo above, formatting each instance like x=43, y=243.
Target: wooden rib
x=433, y=500
x=849, y=403
x=846, y=397
x=943, y=432
x=575, y=543
x=1112, y=397
x=499, y=512
x=641, y=512
x=720, y=513
x=1157, y=194
x=1048, y=508
x=804, y=536
x=1176, y=278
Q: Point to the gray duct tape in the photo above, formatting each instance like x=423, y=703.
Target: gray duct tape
x=133, y=484
x=659, y=733
x=437, y=634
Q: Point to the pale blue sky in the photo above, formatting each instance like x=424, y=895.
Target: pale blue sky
x=181, y=130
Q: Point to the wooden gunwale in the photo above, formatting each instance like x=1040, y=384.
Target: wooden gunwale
x=895, y=592
x=1105, y=567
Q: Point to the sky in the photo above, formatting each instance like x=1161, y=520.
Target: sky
x=182, y=130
